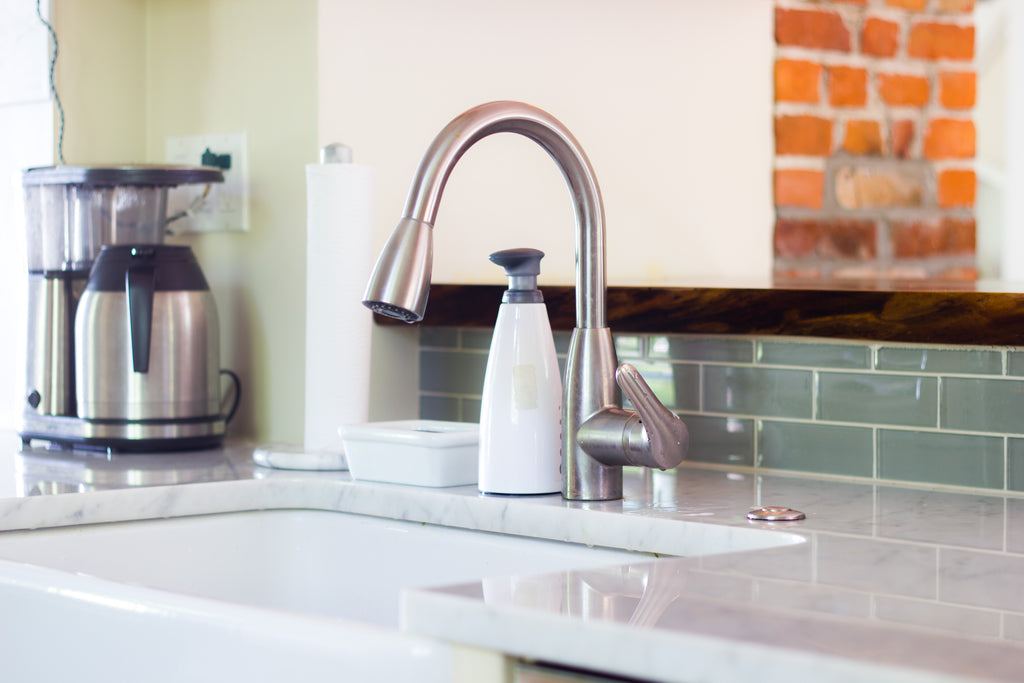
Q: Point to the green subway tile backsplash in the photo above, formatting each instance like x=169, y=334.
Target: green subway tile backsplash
x=957, y=459
x=439, y=337
x=452, y=372
x=474, y=338
x=440, y=408
x=896, y=412
x=840, y=356
x=721, y=440
x=1015, y=464
x=629, y=346
x=677, y=385
x=1015, y=363
x=562, y=340
x=983, y=405
x=949, y=361
x=711, y=349
x=469, y=409
x=878, y=399
x=810, y=447
x=757, y=391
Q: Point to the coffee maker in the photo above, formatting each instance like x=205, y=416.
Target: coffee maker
x=123, y=337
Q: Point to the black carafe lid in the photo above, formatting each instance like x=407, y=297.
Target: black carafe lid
x=175, y=267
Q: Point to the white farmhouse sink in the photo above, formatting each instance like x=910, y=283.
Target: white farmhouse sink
x=311, y=561
x=270, y=595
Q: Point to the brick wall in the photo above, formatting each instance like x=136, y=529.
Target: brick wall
x=874, y=139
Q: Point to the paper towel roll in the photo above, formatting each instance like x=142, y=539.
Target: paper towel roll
x=339, y=257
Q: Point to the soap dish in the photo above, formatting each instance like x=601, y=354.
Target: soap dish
x=415, y=452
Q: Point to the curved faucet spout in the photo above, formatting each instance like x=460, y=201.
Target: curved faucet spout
x=598, y=437
x=515, y=117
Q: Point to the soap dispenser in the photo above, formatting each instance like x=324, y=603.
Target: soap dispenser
x=521, y=411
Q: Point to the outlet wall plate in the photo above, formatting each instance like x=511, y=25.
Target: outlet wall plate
x=226, y=207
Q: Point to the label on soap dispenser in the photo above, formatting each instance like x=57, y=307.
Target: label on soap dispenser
x=524, y=387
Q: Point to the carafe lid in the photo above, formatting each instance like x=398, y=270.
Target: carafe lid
x=175, y=267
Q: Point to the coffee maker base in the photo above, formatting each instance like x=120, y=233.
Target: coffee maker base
x=124, y=436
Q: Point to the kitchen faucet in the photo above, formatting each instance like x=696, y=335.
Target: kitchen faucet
x=598, y=436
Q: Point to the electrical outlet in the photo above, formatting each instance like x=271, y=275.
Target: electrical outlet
x=226, y=206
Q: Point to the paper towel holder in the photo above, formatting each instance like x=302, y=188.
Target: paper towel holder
x=335, y=153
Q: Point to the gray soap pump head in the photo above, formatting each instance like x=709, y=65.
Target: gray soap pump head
x=522, y=266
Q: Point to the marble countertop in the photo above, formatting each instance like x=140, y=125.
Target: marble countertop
x=878, y=583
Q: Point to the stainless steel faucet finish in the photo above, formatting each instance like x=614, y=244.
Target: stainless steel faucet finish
x=598, y=436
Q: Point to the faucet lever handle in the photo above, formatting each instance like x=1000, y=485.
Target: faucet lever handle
x=668, y=438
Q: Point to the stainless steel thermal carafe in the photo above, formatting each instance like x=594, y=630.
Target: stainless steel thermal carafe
x=147, y=337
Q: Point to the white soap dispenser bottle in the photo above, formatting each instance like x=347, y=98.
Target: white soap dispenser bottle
x=521, y=411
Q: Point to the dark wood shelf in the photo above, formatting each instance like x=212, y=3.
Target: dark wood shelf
x=912, y=312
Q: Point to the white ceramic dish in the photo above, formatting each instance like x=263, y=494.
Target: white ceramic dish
x=415, y=452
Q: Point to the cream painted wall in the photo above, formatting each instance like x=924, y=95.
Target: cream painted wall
x=676, y=121
x=101, y=79
x=225, y=66
x=671, y=101
x=132, y=73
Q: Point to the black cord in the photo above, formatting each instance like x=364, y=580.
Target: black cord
x=53, y=85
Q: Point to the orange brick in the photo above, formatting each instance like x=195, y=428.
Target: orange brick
x=817, y=29
x=847, y=86
x=900, y=90
x=797, y=80
x=913, y=5
x=809, y=135
x=901, y=138
x=949, y=139
x=796, y=238
x=956, y=6
x=863, y=137
x=879, y=38
x=849, y=239
x=799, y=188
x=956, y=188
x=917, y=239
x=871, y=188
x=958, y=89
x=933, y=40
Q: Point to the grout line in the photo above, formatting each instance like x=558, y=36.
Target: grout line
x=1006, y=463
x=875, y=465
x=1006, y=524
x=837, y=423
x=815, y=379
x=700, y=387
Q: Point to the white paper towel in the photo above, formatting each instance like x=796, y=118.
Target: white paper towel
x=339, y=257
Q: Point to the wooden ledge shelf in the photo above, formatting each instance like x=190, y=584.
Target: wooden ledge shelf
x=971, y=314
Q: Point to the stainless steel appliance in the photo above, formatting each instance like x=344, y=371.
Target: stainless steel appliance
x=123, y=341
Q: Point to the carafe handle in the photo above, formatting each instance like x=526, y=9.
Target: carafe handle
x=139, y=284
